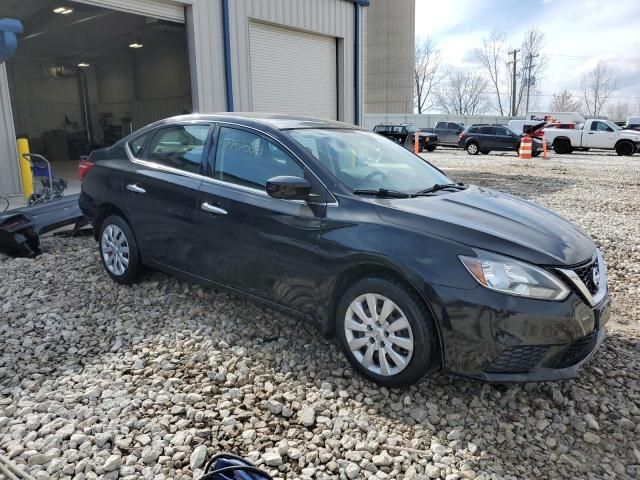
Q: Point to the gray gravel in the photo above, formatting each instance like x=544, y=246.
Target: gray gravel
x=104, y=381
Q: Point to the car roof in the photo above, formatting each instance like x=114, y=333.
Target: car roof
x=278, y=121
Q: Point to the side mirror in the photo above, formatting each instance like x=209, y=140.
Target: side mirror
x=288, y=188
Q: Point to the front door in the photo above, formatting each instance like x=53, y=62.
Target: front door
x=250, y=241
x=161, y=193
x=600, y=135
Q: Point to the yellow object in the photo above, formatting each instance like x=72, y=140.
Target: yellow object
x=25, y=167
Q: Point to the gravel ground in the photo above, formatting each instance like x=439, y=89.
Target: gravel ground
x=104, y=381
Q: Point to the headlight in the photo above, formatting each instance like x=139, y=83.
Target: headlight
x=506, y=275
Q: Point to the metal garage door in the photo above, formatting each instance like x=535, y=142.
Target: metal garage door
x=162, y=9
x=293, y=72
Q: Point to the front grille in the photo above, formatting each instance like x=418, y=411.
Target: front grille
x=577, y=351
x=519, y=359
x=586, y=275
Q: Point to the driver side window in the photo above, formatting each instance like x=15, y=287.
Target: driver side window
x=244, y=158
x=601, y=127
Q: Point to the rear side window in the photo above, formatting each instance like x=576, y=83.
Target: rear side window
x=247, y=159
x=180, y=146
x=486, y=131
x=441, y=125
x=137, y=144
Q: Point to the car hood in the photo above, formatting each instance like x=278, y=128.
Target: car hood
x=490, y=220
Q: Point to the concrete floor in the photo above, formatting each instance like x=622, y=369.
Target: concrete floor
x=66, y=170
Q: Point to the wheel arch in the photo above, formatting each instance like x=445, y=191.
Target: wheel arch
x=625, y=140
x=561, y=139
x=102, y=212
x=355, y=272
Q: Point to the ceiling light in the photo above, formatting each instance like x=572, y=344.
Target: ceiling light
x=135, y=45
x=83, y=65
x=63, y=10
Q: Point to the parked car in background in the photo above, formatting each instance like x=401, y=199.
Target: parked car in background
x=593, y=133
x=340, y=227
x=633, y=123
x=487, y=138
x=404, y=135
x=448, y=132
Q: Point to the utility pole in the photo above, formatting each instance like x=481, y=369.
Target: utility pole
x=529, y=68
x=513, y=52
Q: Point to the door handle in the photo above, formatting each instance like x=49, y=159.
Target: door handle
x=207, y=207
x=135, y=188
x=590, y=133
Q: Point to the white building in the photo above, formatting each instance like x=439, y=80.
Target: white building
x=88, y=72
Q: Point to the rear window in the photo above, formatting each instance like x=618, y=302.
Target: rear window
x=179, y=146
x=137, y=144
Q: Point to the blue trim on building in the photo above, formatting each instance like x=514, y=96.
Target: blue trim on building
x=356, y=67
x=227, y=55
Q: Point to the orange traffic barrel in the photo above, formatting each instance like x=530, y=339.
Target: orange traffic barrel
x=526, y=145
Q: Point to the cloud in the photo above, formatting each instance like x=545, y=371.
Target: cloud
x=578, y=35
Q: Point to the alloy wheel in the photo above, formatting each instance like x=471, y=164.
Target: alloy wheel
x=378, y=334
x=472, y=148
x=115, y=250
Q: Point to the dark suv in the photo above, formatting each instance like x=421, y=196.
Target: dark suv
x=486, y=138
x=403, y=134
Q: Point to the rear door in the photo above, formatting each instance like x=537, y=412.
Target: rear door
x=161, y=192
x=505, y=139
x=600, y=135
x=451, y=133
x=487, y=139
x=248, y=240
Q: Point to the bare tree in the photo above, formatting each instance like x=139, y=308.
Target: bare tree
x=564, y=101
x=462, y=93
x=597, y=87
x=619, y=111
x=492, y=57
x=427, y=74
x=531, y=59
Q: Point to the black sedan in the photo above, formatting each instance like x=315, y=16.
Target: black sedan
x=344, y=228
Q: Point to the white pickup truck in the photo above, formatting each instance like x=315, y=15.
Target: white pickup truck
x=593, y=133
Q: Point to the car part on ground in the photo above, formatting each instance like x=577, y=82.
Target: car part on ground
x=341, y=227
x=226, y=466
x=20, y=228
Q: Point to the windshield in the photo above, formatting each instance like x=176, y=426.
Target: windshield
x=363, y=160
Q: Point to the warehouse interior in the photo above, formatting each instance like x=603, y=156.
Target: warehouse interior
x=85, y=76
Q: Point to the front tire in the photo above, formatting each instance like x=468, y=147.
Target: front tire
x=119, y=250
x=625, y=149
x=386, y=332
x=472, y=148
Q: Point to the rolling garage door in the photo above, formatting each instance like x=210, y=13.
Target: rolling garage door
x=162, y=9
x=293, y=72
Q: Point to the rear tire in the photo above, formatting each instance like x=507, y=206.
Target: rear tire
x=472, y=148
x=119, y=250
x=431, y=148
x=625, y=149
x=485, y=152
x=395, y=352
x=562, y=147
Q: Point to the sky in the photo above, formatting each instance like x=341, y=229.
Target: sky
x=578, y=34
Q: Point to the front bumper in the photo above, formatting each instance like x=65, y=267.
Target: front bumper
x=499, y=338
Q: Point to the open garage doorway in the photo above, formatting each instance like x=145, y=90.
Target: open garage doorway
x=85, y=76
